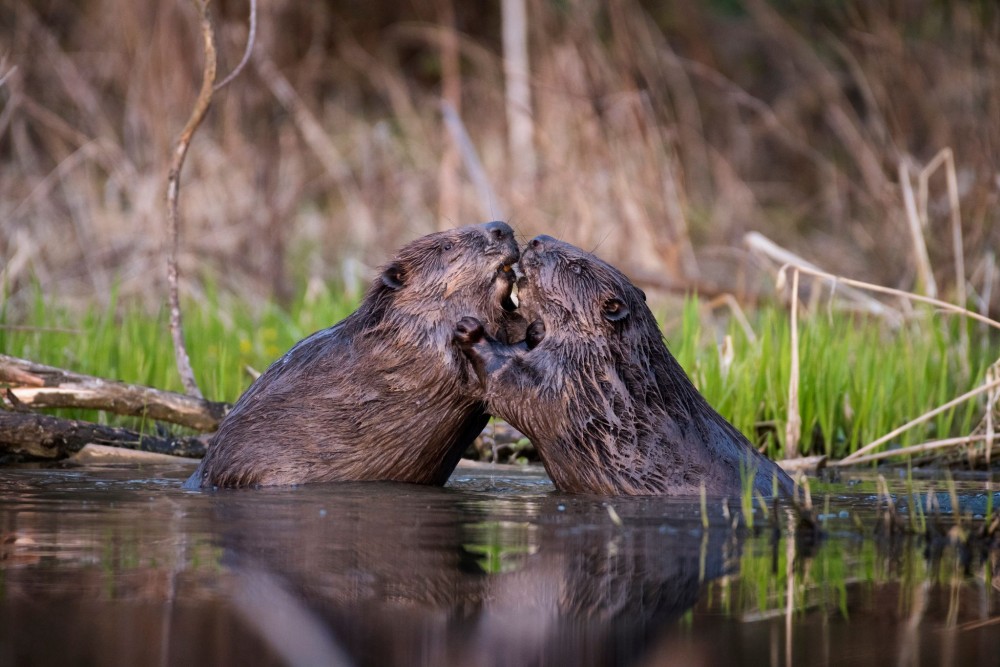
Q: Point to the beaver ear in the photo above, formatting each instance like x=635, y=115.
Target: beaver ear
x=642, y=294
x=614, y=310
x=392, y=277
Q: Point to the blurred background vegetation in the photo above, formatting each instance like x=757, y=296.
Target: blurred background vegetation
x=658, y=133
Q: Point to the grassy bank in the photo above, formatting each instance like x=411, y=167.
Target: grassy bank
x=858, y=379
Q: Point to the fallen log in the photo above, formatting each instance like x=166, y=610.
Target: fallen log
x=107, y=454
x=27, y=436
x=36, y=385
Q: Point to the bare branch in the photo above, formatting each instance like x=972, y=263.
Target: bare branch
x=173, y=188
x=30, y=436
x=251, y=38
x=38, y=386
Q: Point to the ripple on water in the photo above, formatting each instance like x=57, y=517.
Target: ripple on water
x=496, y=568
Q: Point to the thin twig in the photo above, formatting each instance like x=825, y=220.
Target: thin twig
x=320, y=143
x=44, y=187
x=851, y=458
x=759, y=243
x=927, y=283
x=34, y=329
x=992, y=377
x=487, y=195
x=251, y=38
x=793, y=428
x=173, y=188
x=947, y=158
x=6, y=75
x=943, y=305
x=912, y=449
x=730, y=302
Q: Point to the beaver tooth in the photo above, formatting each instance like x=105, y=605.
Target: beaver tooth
x=513, y=295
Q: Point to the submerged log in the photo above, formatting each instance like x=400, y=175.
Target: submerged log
x=38, y=386
x=26, y=436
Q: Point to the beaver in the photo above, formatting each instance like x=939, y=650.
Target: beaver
x=596, y=390
x=384, y=394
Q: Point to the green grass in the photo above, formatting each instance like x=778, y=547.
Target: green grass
x=126, y=343
x=859, y=379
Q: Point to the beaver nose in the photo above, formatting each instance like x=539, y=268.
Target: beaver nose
x=539, y=242
x=498, y=230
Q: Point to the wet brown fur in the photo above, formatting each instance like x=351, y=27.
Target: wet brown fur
x=608, y=407
x=384, y=394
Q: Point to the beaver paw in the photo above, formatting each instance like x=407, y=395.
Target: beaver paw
x=469, y=331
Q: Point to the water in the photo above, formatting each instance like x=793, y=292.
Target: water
x=117, y=565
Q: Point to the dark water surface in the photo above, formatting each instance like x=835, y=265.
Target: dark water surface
x=117, y=565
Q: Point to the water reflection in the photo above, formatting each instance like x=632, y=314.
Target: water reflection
x=119, y=566
x=409, y=575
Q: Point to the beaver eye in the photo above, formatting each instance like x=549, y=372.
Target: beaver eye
x=614, y=310
x=447, y=246
x=575, y=268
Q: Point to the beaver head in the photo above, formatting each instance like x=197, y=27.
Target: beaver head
x=449, y=274
x=581, y=300
x=598, y=392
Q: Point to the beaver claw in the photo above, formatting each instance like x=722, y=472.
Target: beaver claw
x=468, y=331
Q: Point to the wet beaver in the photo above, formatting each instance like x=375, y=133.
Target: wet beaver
x=384, y=394
x=598, y=393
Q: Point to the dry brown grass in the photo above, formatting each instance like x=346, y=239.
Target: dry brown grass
x=662, y=135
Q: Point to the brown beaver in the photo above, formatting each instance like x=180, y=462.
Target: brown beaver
x=596, y=390
x=384, y=394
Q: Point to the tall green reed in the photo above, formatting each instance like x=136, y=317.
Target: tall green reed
x=858, y=378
